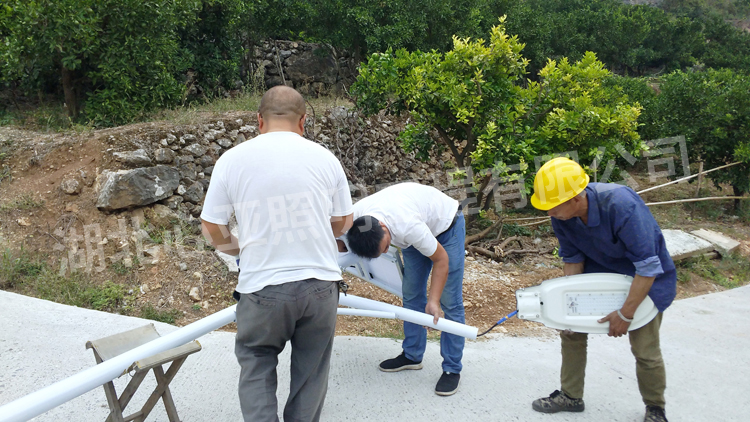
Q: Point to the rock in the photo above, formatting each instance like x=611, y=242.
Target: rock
x=23, y=222
x=189, y=171
x=139, y=187
x=207, y=160
x=248, y=129
x=205, y=183
x=188, y=138
x=87, y=180
x=162, y=215
x=196, y=149
x=154, y=252
x=215, y=149
x=194, y=193
x=208, y=170
x=70, y=186
x=183, y=159
x=144, y=288
x=181, y=190
x=183, y=266
x=196, y=211
x=198, y=276
x=137, y=158
x=213, y=134
x=195, y=294
x=171, y=139
x=224, y=142
x=164, y=155
x=174, y=202
x=311, y=66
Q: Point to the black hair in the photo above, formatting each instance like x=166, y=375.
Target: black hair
x=365, y=236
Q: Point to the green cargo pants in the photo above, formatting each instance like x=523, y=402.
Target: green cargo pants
x=649, y=365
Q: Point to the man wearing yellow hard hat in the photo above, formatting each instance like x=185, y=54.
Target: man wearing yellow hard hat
x=606, y=227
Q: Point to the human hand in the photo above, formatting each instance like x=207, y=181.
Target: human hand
x=617, y=326
x=433, y=308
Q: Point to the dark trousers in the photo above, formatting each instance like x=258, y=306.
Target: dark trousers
x=304, y=313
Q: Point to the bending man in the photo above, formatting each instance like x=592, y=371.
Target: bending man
x=429, y=228
x=605, y=227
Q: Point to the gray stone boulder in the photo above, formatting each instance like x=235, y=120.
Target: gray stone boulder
x=311, y=66
x=162, y=215
x=196, y=149
x=137, y=158
x=164, y=155
x=194, y=193
x=70, y=186
x=133, y=188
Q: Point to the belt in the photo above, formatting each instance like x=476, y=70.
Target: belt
x=455, y=218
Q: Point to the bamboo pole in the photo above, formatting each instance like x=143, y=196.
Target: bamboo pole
x=688, y=177
x=525, y=218
x=712, y=198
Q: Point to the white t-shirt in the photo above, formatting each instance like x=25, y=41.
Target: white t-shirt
x=415, y=214
x=283, y=189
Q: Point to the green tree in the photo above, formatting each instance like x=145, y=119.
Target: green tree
x=712, y=110
x=119, y=56
x=475, y=101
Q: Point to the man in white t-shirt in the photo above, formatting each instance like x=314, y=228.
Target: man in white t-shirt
x=429, y=228
x=291, y=200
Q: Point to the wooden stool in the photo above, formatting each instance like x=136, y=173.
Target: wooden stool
x=109, y=347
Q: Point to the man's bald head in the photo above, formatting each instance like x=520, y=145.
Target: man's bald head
x=282, y=103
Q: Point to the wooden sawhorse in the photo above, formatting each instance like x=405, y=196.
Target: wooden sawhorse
x=114, y=345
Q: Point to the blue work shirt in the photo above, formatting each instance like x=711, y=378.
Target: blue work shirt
x=621, y=236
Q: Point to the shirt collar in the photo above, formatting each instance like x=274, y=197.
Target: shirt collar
x=593, y=204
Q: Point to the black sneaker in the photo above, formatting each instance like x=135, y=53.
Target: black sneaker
x=447, y=385
x=558, y=402
x=655, y=414
x=399, y=363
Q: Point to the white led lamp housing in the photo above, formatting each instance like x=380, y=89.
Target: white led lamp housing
x=576, y=302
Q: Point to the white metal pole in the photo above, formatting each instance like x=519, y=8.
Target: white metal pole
x=366, y=313
x=56, y=394
x=409, y=315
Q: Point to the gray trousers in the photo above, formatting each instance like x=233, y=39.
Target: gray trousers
x=303, y=312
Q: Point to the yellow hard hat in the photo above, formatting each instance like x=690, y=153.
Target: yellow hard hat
x=559, y=180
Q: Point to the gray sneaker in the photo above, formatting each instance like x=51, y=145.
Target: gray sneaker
x=558, y=402
x=655, y=414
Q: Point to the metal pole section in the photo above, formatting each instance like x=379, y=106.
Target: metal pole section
x=365, y=313
x=56, y=394
x=409, y=315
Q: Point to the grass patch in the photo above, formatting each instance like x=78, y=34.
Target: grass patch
x=191, y=113
x=168, y=316
x=24, y=202
x=119, y=268
x=731, y=271
x=31, y=275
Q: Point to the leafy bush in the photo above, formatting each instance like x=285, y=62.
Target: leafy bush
x=474, y=101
